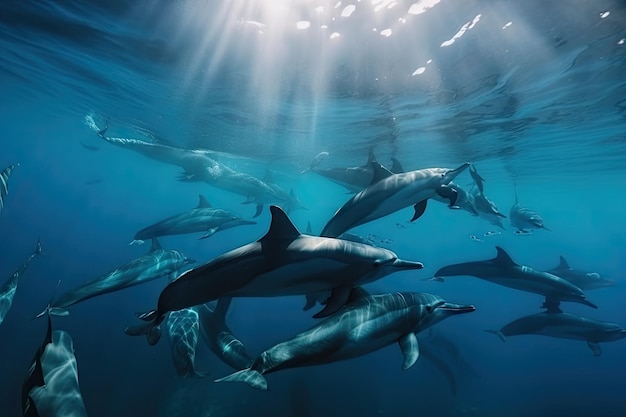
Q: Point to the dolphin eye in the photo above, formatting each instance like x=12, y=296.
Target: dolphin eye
x=429, y=309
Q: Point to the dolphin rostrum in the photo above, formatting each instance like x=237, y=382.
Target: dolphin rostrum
x=219, y=338
x=202, y=218
x=582, y=279
x=525, y=219
x=368, y=323
x=283, y=262
x=504, y=271
x=8, y=289
x=4, y=184
x=389, y=193
x=155, y=264
x=51, y=386
x=182, y=328
x=555, y=323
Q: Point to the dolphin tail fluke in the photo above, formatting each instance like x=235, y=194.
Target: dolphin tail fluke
x=54, y=311
x=497, y=333
x=249, y=376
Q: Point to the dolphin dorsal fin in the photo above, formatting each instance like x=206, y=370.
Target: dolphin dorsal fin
x=357, y=293
x=203, y=202
x=222, y=306
x=380, y=172
x=280, y=227
x=371, y=157
x=563, y=263
x=503, y=258
x=155, y=245
x=309, y=228
x=396, y=166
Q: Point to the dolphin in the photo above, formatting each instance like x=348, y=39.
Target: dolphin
x=4, y=184
x=486, y=208
x=504, y=271
x=8, y=289
x=283, y=262
x=582, y=279
x=478, y=180
x=51, y=387
x=219, y=337
x=202, y=218
x=199, y=166
x=525, y=219
x=353, y=178
x=182, y=328
x=155, y=264
x=555, y=323
x=389, y=193
x=367, y=324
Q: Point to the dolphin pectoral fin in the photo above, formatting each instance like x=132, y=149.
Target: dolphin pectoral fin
x=259, y=210
x=209, y=233
x=420, y=208
x=410, y=350
x=310, y=302
x=595, y=348
x=249, y=376
x=58, y=311
x=497, y=333
x=338, y=298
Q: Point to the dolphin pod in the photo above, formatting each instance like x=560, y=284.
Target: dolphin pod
x=504, y=271
x=155, y=264
x=368, y=323
x=203, y=218
x=389, y=193
x=283, y=262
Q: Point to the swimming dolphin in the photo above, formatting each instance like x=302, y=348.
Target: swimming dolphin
x=389, y=193
x=353, y=178
x=486, y=208
x=283, y=262
x=4, y=184
x=183, y=327
x=368, y=323
x=199, y=166
x=525, y=219
x=202, y=218
x=555, y=323
x=51, y=387
x=219, y=337
x=155, y=264
x=8, y=289
x=478, y=180
x=504, y=271
x=582, y=279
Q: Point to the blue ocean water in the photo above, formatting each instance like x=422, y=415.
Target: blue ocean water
x=532, y=93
